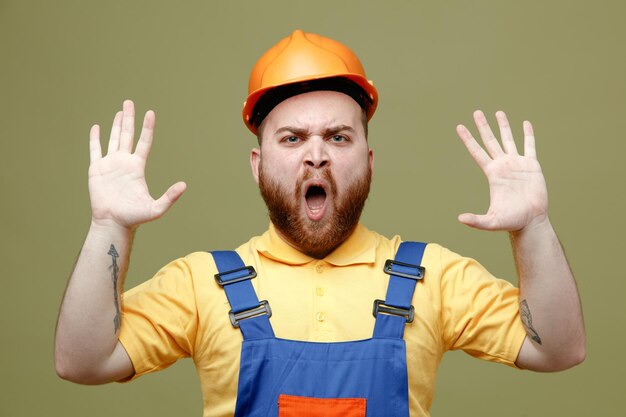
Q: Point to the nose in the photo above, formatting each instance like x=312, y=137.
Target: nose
x=316, y=155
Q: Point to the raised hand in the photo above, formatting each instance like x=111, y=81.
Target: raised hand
x=517, y=188
x=117, y=185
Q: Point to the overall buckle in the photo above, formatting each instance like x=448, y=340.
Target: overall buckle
x=263, y=308
x=381, y=307
x=219, y=278
x=418, y=275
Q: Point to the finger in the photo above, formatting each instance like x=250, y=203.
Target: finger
x=114, y=139
x=95, y=151
x=128, y=126
x=163, y=204
x=529, y=140
x=476, y=151
x=144, y=144
x=505, y=133
x=490, y=141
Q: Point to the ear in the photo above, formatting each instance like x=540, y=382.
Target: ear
x=371, y=159
x=255, y=160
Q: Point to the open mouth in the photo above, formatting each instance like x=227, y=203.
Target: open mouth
x=316, y=199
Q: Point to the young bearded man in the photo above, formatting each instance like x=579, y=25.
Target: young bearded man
x=319, y=271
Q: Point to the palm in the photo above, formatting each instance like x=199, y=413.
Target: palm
x=118, y=189
x=517, y=187
x=117, y=184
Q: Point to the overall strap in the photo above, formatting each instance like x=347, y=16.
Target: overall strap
x=396, y=310
x=247, y=313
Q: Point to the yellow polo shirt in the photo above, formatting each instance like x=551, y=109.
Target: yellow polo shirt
x=182, y=312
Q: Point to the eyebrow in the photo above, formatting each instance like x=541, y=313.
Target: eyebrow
x=306, y=132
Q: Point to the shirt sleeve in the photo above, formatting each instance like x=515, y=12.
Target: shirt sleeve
x=480, y=313
x=159, y=319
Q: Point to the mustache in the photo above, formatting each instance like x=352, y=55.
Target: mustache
x=310, y=174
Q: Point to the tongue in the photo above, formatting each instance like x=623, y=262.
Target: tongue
x=315, y=201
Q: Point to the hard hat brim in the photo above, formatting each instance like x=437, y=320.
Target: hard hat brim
x=361, y=81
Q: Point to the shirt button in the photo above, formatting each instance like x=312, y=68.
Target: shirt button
x=320, y=316
x=319, y=291
x=319, y=268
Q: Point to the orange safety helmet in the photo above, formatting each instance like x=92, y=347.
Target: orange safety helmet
x=301, y=58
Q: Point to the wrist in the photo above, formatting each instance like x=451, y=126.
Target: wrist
x=109, y=226
x=538, y=224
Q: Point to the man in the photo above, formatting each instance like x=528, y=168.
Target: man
x=319, y=270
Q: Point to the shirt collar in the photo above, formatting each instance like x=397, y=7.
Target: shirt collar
x=360, y=247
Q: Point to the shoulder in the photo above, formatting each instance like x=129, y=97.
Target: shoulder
x=441, y=263
x=180, y=276
x=197, y=267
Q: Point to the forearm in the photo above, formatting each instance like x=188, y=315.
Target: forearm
x=90, y=317
x=549, y=302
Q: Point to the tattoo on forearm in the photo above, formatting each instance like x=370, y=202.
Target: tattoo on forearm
x=527, y=319
x=115, y=272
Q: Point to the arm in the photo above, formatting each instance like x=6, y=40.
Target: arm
x=87, y=349
x=550, y=307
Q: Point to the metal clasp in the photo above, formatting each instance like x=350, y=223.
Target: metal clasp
x=221, y=281
x=263, y=308
x=419, y=270
x=381, y=307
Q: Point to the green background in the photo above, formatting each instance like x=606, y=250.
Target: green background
x=65, y=65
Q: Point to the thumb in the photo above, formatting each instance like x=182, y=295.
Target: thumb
x=476, y=221
x=163, y=204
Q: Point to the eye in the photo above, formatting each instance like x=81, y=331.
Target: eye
x=338, y=138
x=291, y=139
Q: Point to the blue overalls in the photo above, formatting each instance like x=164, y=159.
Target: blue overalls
x=288, y=378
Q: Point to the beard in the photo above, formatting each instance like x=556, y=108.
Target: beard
x=315, y=238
